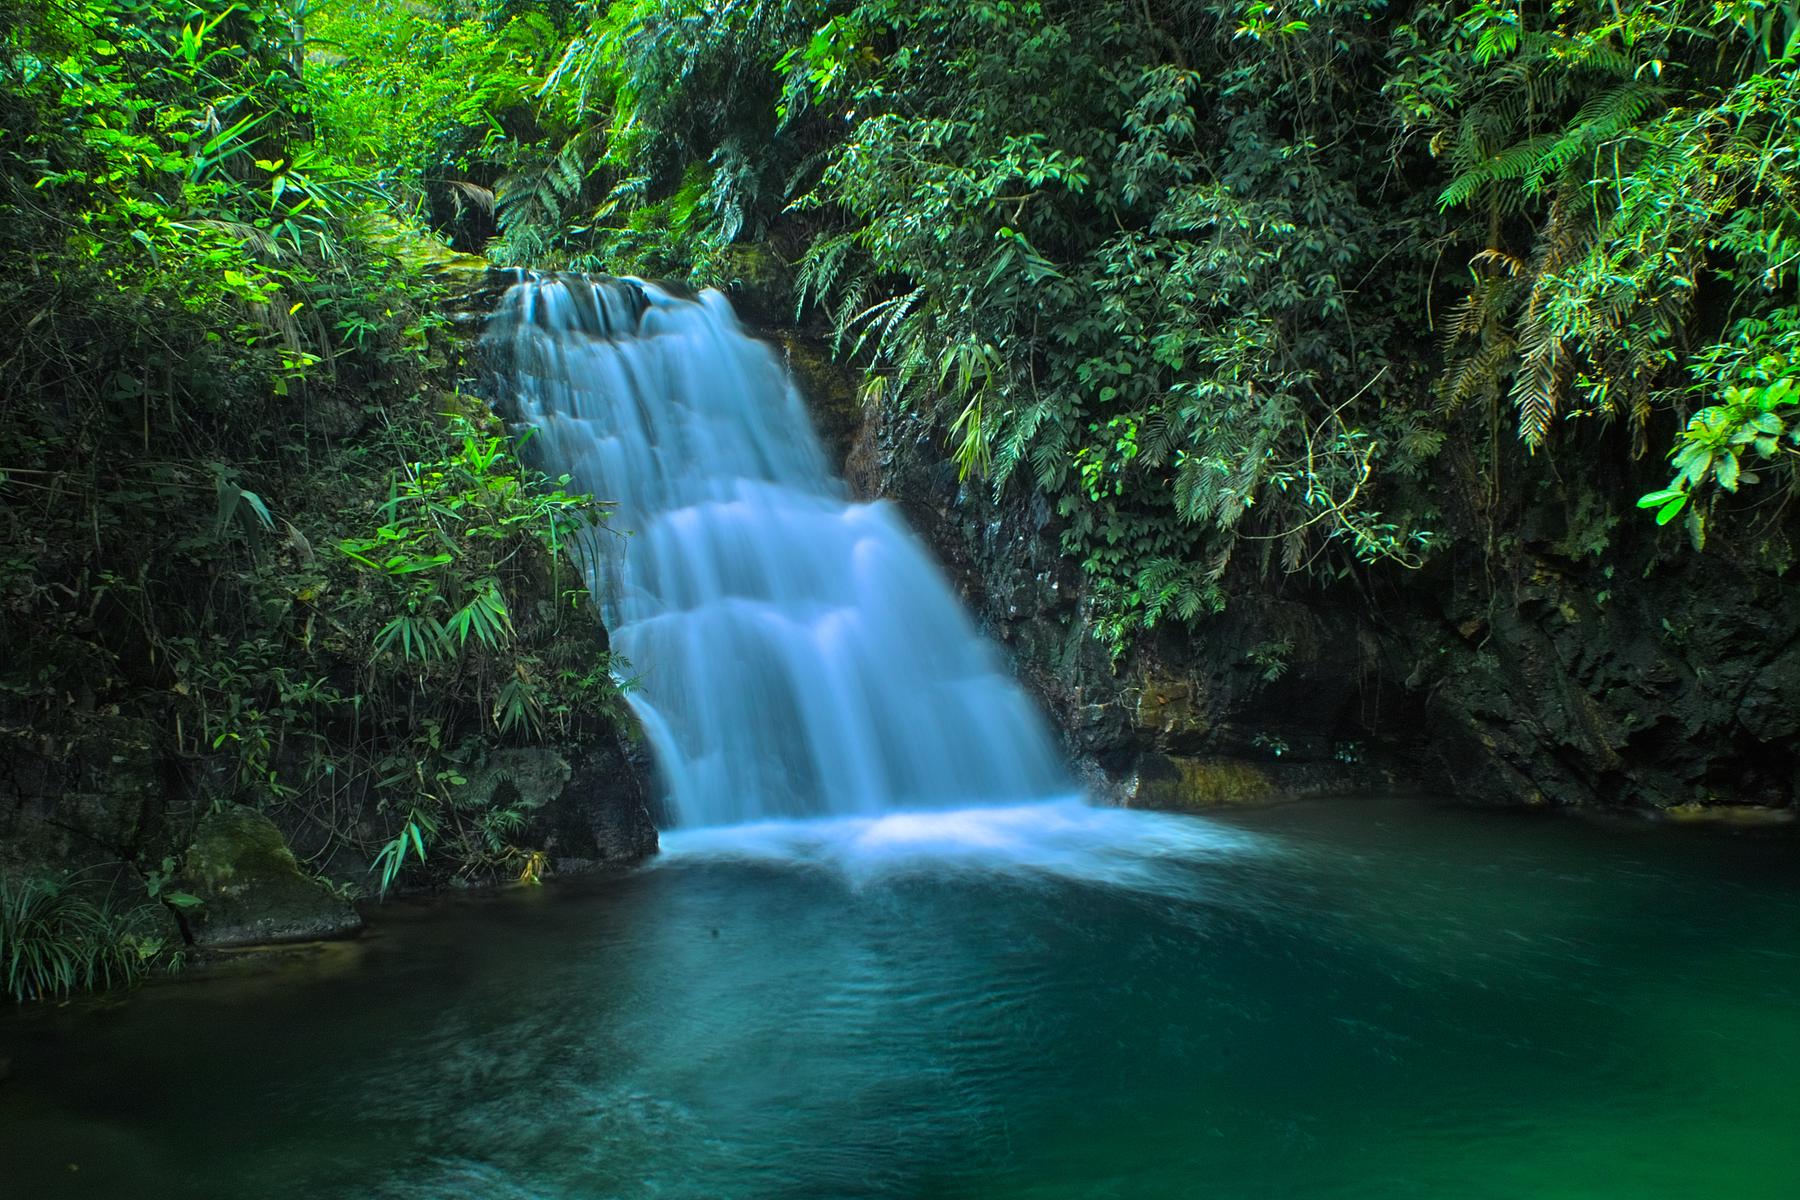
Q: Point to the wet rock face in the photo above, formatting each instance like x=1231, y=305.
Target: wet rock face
x=607, y=814
x=1677, y=686
x=585, y=806
x=252, y=891
x=528, y=779
x=81, y=798
x=833, y=398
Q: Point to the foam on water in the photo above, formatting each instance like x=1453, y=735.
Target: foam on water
x=1064, y=839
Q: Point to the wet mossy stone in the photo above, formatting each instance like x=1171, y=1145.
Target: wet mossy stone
x=1176, y=783
x=759, y=284
x=251, y=890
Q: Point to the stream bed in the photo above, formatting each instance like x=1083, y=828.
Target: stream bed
x=1329, y=999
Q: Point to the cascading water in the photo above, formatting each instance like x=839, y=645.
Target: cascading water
x=796, y=654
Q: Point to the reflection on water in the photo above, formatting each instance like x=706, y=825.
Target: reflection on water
x=1323, y=1000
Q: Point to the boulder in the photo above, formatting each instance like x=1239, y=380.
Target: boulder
x=583, y=805
x=252, y=891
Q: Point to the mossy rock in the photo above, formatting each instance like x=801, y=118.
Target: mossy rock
x=754, y=264
x=1170, y=782
x=80, y=797
x=1181, y=784
x=585, y=808
x=252, y=891
x=1737, y=815
x=758, y=281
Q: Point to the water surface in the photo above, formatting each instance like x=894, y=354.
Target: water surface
x=1322, y=1000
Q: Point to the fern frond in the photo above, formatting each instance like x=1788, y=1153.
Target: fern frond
x=1293, y=550
x=817, y=273
x=1537, y=388
x=1050, y=462
x=1021, y=429
x=1476, y=373
x=536, y=196
x=1511, y=264
x=1601, y=119
x=1156, y=438
x=1521, y=161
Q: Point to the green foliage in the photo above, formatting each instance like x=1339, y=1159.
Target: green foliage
x=446, y=621
x=535, y=195
x=55, y=940
x=1758, y=421
x=647, y=152
x=1275, y=745
x=1175, y=264
x=449, y=530
x=425, y=98
x=227, y=363
x=411, y=839
x=1271, y=658
x=1618, y=155
x=1128, y=282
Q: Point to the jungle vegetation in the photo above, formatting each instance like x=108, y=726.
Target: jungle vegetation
x=255, y=545
x=1267, y=289
x=1233, y=282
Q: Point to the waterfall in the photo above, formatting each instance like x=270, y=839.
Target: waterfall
x=793, y=653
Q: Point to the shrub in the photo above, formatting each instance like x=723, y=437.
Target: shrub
x=54, y=940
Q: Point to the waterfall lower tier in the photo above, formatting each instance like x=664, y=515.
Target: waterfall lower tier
x=793, y=653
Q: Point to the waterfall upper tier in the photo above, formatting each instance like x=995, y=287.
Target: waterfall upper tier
x=793, y=653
